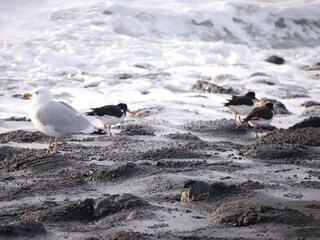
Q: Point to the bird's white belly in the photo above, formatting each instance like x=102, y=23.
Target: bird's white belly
x=110, y=120
x=242, y=109
x=260, y=122
x=46, y=129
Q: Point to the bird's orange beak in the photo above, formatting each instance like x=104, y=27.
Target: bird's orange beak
x=131, y=112
x=26, y=96
x=258, y=100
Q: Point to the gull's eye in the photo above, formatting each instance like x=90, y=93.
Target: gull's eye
x=36, y=92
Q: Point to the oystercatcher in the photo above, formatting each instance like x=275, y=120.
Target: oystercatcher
x=242, y=105
x=260, y=116
x=110, y=114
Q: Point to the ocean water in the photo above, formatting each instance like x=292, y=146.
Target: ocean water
x=148, y=54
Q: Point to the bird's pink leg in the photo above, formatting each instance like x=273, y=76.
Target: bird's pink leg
x=107, y=128
x=235, y=119
x=50, y=145
x=55, y=146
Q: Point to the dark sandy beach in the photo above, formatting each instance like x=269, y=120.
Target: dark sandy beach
x=204, y=180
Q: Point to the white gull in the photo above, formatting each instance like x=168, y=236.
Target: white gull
x=55, y=119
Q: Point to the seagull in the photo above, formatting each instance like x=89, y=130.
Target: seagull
x=260, y=116
x=242, y=105
x=111, y=114
x=55, y=119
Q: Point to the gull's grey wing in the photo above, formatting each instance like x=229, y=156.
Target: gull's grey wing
x=63, y=118
x=67, y=105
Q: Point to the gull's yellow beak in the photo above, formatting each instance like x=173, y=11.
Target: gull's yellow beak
x=26, y=96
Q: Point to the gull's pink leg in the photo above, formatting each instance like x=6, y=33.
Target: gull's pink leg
x=55, y=146
x=50, y=145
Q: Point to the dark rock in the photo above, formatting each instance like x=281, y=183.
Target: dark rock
x=171, y=152
x=136, y=129
x=81, y=210
x=17, y=119
x=183, y=136
x=280, y=23
x=198, y=190
x=124, y=76
x=116, y=203
x=311, y=111
x=262, y=78
x=267, y=214
x=251, y=185
x=107, y=12
x=144, y=65
x=279, y=107
x=307, y=136
x=22, y=136
x=23, y=229
x=258, y=74
x=86, y=210
x=307, y=104
x=206, y=23
x=308, y=122
x=211, y=88
x=145, y=92
x=113, y=172
x=276, y=151
x=275, y=59
x=315, y=67
x=219, y=127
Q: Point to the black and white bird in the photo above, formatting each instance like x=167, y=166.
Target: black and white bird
x=260, y=116
x=242, y=105
x=110, y=114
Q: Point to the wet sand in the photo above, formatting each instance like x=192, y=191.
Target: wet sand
x=202, y=180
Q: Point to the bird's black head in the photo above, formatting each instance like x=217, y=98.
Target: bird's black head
x=123, y=106
x=251, y=95
x=269, y=105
